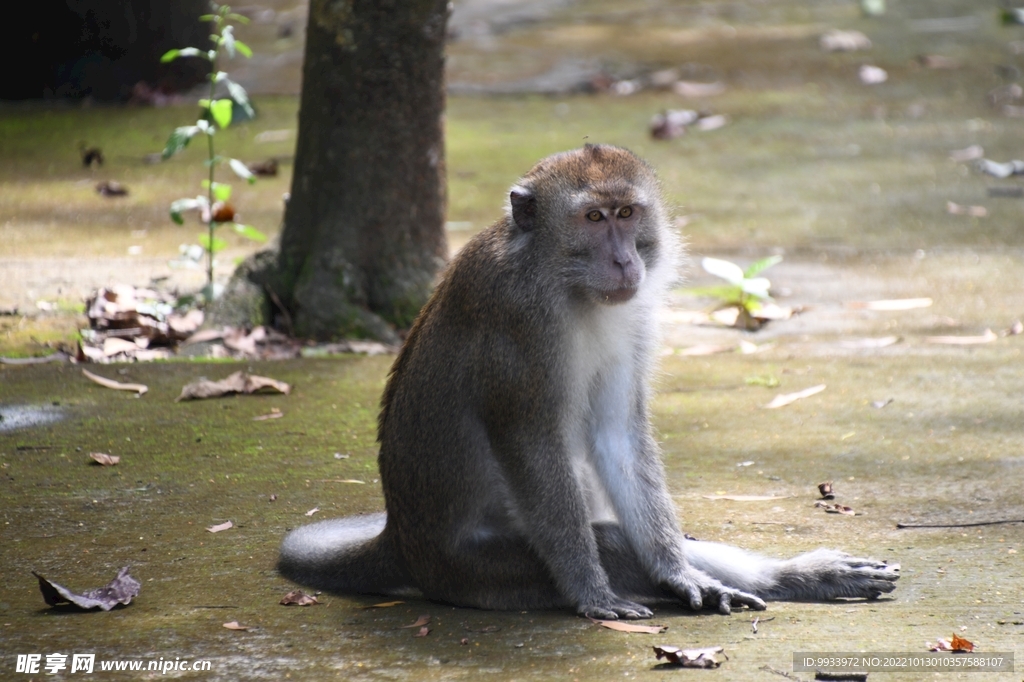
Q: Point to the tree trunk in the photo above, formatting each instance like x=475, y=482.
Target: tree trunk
x=364, y=229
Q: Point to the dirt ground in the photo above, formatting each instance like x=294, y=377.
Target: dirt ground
x=919, y=421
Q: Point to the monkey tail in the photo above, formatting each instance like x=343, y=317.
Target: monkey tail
x=355, y=554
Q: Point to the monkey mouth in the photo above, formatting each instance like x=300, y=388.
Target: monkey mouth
x=613, y=296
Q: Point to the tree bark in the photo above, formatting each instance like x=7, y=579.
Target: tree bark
x=364, y=228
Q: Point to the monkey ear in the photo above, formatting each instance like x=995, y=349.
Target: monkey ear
x=524, y=209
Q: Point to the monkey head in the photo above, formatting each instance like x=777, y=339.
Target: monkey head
x=596, y=213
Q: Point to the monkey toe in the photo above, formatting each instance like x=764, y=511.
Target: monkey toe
x=626, y=610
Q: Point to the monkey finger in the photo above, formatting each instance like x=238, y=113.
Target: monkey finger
x=725, y=603
x=696, y=600
x=744, y=599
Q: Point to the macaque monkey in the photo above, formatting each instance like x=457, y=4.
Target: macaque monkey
x=517, y=458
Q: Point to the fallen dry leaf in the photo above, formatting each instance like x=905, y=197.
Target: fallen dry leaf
x=312, y=511
x=420, y=622
x=691, y=658
x=233, y=625
x=384, y=605
x=343, y=480
x=971, y=153
x=987, y=337
x=697, y=90
x=955, y=643
x=745, y=498
x=827, y=493
x=623, y=626
x=894, y=304
x=116, y=385
x=220, y=526
x=273, y=414
x=836, y=508
x=961, y=209
x=104, y=459
x=423, y=632
x=298, y=598
x=872, y=75
x=784, y=399
x=119, y=591
x=239, y=382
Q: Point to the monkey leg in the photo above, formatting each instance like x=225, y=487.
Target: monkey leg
x=352, y=554
x=821, y=575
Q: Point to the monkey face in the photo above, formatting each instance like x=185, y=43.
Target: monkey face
x=607, y=242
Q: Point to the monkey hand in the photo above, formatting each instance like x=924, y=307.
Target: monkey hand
x=697, y=588
x=610, y=607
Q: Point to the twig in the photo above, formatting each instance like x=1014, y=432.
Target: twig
x=284, y=311
x=957, y=525
x=769, y=669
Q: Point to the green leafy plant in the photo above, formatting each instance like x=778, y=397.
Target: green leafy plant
x=217, y=114
x=743, y=290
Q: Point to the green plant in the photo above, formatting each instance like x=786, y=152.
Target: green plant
x=213, y=207
x=744, y=290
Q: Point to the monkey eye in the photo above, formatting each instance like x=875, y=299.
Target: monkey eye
x=625, y=211
x=594, y=216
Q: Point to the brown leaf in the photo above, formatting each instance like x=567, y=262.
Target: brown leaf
x=312, y=511
x=622, y=626
x=104, y=459
x=420, y=622
x=119, y=591
x=954, y=643
x=239, y=382
x=298, y=598
x=223, y=212
x=111, y=188
x=423, y=632
x=961, y=209
x=384, y=605
x=826, y=490
x=233, y=625
x=691, y=658
x=221, y=526
x=116, y=385
x=836, y=508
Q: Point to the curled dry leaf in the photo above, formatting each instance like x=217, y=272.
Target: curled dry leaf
x=691, y=658
x=119, y=591
x=420, y=622
x=623, y=626
x=422, y=632
x=298, y=598
x=104, y=459
x=239, y=382
x=954, y=643
x=836, y=508
x=233, y=625
x=827, y=493
x=221, y=526
x=844, y=41
x=784, y=399
x=312, y=511
x=116, y=385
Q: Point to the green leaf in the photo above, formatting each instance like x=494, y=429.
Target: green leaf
x=244, y=49
x=177, y=207
x=170, y=56
x=760, y=265
x=239, y=94
x=218, y=244
x=241, y=170
x=178, y=140
x=221, y=112
x=238, y=17
x=724, y=293
x=207, y=17
x=250, y=232
x=221, y=191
